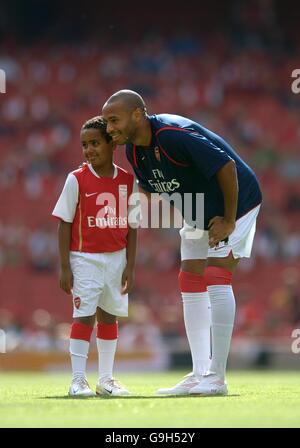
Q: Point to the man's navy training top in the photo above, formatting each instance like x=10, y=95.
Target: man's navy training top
x=184, y=157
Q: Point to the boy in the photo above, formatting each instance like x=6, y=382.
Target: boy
x=97, y=253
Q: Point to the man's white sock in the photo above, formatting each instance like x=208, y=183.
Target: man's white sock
x=222, y=312
x=197, y=319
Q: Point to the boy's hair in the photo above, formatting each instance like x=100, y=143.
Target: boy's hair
x=97, y=123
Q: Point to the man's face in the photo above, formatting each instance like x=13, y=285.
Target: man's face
x=121, y=122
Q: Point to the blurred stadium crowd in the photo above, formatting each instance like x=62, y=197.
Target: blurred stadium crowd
x=235, y=80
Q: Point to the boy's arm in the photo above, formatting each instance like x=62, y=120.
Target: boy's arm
x=65, y=209
x=64, y=239
x=128, y=274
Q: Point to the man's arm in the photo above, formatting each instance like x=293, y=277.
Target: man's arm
x=228, y=182
x=128, y=274
x=221, y=227
x=64, y=239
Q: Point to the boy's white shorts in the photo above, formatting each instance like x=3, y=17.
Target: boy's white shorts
x=98, y=282
x=194, y=243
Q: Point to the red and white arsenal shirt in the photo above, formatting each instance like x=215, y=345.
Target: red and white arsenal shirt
x=98, y=209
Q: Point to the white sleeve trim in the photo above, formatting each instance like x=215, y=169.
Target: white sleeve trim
x=66, y=205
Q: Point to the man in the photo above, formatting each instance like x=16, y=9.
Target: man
x=171, y=154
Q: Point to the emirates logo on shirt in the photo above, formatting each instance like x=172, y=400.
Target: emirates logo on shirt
x=77, y=302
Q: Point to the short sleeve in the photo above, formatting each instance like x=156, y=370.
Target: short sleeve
x=196, y=150
x=65, y=207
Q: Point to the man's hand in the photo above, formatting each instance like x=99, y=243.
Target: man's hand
x=219, y=229
x=127, y=280
x=66, y=279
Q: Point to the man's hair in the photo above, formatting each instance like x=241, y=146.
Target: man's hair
x=97, y=123
x=132, y=100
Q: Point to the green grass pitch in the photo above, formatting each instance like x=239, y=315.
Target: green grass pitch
x=256, y=399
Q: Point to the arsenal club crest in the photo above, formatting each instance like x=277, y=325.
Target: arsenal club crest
x=77, y=302
x=157, y=153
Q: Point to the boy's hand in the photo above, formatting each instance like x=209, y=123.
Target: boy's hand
x=127, y=280
x=66, y=280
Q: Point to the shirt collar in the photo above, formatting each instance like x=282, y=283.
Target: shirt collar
x=97, y=175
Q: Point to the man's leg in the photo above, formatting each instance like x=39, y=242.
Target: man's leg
x=197, y=320
x=218, y=275
x=221, y=263
x=196, y=313
x=196, y=306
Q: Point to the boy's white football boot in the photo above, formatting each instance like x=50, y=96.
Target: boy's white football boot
x=111, y=387
x=210, y=384
x=183, y=387
x=80, y=388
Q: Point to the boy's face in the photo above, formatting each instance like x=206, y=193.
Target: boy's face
x=96, y=150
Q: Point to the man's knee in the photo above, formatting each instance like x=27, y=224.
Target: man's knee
x=216, y=275
x=191, y=276
x=228, y=263
x=193, y=266
x=191, y=282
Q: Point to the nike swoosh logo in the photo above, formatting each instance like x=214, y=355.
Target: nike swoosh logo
x=109, y=391
x=87, y=195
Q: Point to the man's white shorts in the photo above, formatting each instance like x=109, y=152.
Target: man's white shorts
x=194, y=243
x=98, y=283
